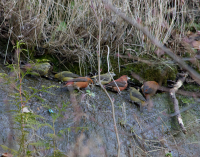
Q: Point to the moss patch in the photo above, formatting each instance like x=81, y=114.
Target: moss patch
x=156, y=72
x=191, y=87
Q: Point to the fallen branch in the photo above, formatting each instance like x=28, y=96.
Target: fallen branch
x=160, y=45
x=165, y=89
x=172, y=92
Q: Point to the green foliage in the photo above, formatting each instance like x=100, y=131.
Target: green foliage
x=58, y=153
x=14, y=152
x=62, y=26
x=90, y=93
x=187, y=100
x=192, y=27
x=42, y=60
x=26, y=123
x=191, y=87
x=168, y=155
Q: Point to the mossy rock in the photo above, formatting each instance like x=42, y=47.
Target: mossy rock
x=155, y=72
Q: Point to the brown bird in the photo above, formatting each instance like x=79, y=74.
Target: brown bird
x=137, y=97
x=79, y=83
x=149, y=88
x=121, y=83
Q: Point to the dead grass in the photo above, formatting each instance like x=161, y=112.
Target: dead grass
x=70, y=28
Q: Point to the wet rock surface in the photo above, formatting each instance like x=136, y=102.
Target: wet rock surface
x=87, y=125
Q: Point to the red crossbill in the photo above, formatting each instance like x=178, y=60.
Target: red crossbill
x=80, y=82
x=149, y=88
x=121, y=83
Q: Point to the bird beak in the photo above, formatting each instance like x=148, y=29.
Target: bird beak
x=113, y=74
x=129, y=78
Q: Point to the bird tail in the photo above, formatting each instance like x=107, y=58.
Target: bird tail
x=68, y=83
x=107, y=88
x=149, y=102
x=143, y=104
x=111, y=89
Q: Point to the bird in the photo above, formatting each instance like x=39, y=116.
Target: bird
x=121, y=83
x=79, y=83
x=137, y=97
x=149, y=88
x=104, y=78
x=37, y=69
x=66, y=76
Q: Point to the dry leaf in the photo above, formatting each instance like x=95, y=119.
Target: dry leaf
x=159, y=52
x=25, y=110
x=196, y=45
x=6, y=155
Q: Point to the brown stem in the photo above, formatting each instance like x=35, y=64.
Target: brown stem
x=112, y=103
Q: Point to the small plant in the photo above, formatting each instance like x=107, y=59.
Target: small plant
x=168, y=155
x=27, y=123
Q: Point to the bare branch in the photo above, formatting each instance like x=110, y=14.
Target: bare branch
x=178, y=84
x=112, y=102
x=181, y=63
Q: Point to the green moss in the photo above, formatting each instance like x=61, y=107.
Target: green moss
x=192, y=27
x=155, y=72
x=185, y=100
x=191, y=87
x=168, y=155
x=187, y=116
x=150, y=73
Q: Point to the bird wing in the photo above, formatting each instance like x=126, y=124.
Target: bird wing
x=79, y=79
x=105, y=78
x=66, y=74
x=71, y=75
x=138, y=95
x=119, y=84
x=148, y=90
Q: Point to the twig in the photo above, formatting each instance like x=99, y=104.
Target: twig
x=7, y=46
x=136, y=76
x=112, y=102
x=178, y=84
x=109, y=69
x=137, y=59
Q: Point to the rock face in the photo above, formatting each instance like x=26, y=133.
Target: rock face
x=85, y=124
